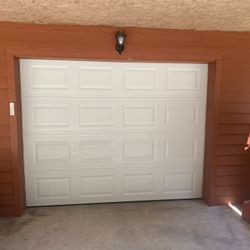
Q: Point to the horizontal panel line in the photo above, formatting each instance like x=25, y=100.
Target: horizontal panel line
x=237, y=102
x=231, y=194
x=233, y=123
x=106, y=134
x=231, y=165
x=122, y=132
x=149, y=168
x=228, y=133
x=238, y=165
x=234, y=113
x=6, y=205
x=112, y=97
x=231, y=144
x=226, y=185
x=236, y=91
x=229, y=175
x=233, y=185
x=233, y=155
x=123, y=166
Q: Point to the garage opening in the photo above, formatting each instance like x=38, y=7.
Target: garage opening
x=112, y=131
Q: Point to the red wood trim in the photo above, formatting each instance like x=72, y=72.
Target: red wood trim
x=248, y=175
x=231, y=170
x=231, y=160
x=7, y=210
x=5, y=142
x=6, y=177
x=5, y=154
x=230, y=108
x=229, y=129
x=212, y=118
x=6, y=188
x=231, y=180
x=232, y=139
x=4, y=130
x=246, y=211
x=230, y=150
x=6, y=200
x=13, y=54
x=177, y=55
x=230, y=190
x=225, y=199
x=5, y=166
x=16, y=135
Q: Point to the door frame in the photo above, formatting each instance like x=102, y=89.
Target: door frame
x=212, y=110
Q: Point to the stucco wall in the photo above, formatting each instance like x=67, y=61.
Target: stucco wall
x=225, y=15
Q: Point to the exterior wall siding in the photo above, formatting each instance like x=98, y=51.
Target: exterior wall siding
x=232, y=164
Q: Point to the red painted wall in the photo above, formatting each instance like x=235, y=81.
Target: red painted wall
x=232, y=176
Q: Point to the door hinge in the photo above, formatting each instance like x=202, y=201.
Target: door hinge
x=12, y=108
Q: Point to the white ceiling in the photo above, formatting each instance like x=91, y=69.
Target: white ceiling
x=229, y=15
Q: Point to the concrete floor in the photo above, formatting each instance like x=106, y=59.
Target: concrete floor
x=168, y=225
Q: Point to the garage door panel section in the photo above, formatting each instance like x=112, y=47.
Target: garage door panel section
x=110, y=185
x=91, y=79
x=76, y=152
x=45, y=77
x=112, y=115
x=107, y=132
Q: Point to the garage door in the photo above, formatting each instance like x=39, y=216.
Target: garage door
x=109, y=131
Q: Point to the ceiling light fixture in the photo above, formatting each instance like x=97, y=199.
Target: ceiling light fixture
x=120, y=37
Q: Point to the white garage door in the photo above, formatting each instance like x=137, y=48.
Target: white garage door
x=109, y=131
